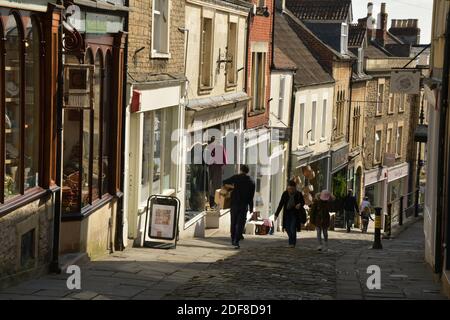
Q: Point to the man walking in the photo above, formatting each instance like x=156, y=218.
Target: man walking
x=241, y=202
x=350, y=206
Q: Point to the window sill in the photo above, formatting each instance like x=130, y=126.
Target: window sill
x=256, y=113
x=390, y=112
x=159, y=55
x=204, y=90
x=23, y=200
x=323, y=139
x=313, y=142
x=230, y=87
x=401, y=111
x=378, y=114
x=88, y=210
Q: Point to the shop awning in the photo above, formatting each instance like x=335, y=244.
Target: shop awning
x=32, y=5
x=215, y=102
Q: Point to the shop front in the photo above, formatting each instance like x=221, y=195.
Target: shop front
x=397, y=186
x=375, y=187
x=28, y=84
x=153, y=143
x=214, y=150
x=92, y=122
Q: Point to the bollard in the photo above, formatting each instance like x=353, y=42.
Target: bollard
x=400, y=214
x=377, y=240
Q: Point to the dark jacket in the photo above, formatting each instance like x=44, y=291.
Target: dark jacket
x=320, y=213
x=243, y=192
x=350, y=204
x=293, y=213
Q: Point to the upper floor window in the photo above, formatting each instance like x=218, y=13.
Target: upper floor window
x=160, y=29
x=281, y=97
x=391, y=103
x=377, y=146
x=313, y=121
x=356, y=125
x=206, y=54
x=21, y=134
x=231, y=74
x=258, y=80
x=340, y=107
x=380, y=99
x=344, y=38
x=301, y=131
x=398, y=141
x=401, y=104
x=389, y=140
x=324, y=118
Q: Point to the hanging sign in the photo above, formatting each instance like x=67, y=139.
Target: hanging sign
x=405, y=81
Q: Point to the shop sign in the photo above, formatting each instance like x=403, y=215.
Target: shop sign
x=405, y=81
x=399, y=172
x=339, y=158
x=34, y=5
x=101, y=23
x=374, y=176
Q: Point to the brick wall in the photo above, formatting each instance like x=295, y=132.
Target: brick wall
x=140, y=22
x=261, y=29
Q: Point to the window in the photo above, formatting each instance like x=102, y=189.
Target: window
x=313, y=121
x=157, y=147
x=87, y=141
x=340, y=105
x=380, y=99
x=356, y=125
x=258, y=80
x=324, y=118
x=398, y=141
x=360, y=61
x=206, y=58
x=160, y=28
x=22, y=112
x=377, y=146
x=389, y=140
x=401, y=105
x=391, y=103
x=301, y=136
x=231, y=75
x=344, y=38
x=281, y=97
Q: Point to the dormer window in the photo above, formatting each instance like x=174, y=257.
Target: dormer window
x=344, y=38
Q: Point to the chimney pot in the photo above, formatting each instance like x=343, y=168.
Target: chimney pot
x=383, y=7
x=369, y=9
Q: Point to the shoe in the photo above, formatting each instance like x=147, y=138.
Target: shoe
x=319, y=248
x=236, y=246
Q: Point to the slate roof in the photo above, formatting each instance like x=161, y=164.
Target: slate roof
x=309, y=71
x=282, y=61
x=320, y=9
x=356, y=35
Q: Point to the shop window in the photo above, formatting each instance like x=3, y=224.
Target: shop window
x=22, y=85
x=87, y=144
x=231, y=75
x=206, y=54
x=377, y=146
x=258, y=81
x=160, y=29
x=158, y=172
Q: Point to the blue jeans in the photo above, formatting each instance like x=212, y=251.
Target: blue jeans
x=291, y=228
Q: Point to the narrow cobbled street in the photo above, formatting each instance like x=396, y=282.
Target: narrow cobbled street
x=264, y=268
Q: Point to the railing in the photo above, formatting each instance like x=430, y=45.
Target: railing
x=401, y=209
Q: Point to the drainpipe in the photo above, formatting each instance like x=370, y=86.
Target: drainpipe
x=291, y=130
x=247, y=43
x=441, y=155
x=120, y=203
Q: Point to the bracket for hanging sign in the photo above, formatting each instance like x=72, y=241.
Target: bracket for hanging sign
x=161, y=222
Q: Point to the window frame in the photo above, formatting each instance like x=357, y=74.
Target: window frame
x=33, y=192
x=281, y=94
x=312, y=140
x=258, y=82
x=204, y=89
x=380, y=98
x=344, y=38
x=153, y=52
x=398, y=146
x=378, y=149
x=401, y=105
x=301, y=137
x=231, y=67
x=391, y=105
x=323, y=135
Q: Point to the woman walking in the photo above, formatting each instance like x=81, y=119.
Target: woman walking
x=294, y=214
x=320, y=216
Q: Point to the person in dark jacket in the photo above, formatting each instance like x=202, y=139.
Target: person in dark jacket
x=319, y=216
x=350, y=207
x=241, y=202
x=292, y=203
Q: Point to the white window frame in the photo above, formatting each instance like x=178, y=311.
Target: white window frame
x=232, y=67
x=155, y=53
x=258, y=105
x=380, y=98
x=344, y=38
x=391, y=105
x=206, y=88
x=377, y=145
x=313, y=121
x=399, y=140
x=301, y=131
x=281, y=95
x=389, y=135
x=401, y=105
x=324, y=119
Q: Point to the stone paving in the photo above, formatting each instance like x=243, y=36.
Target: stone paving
x=264, y=268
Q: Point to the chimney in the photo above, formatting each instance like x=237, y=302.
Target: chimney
x=369, y=22
x=382, y=27
x=369, y=9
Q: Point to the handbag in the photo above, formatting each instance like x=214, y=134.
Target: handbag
x=302, y=215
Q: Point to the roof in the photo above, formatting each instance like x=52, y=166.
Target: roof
x=320, y=9
x=309, y=71
x=282, y=61
x=356, y=35
x=374, y=52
